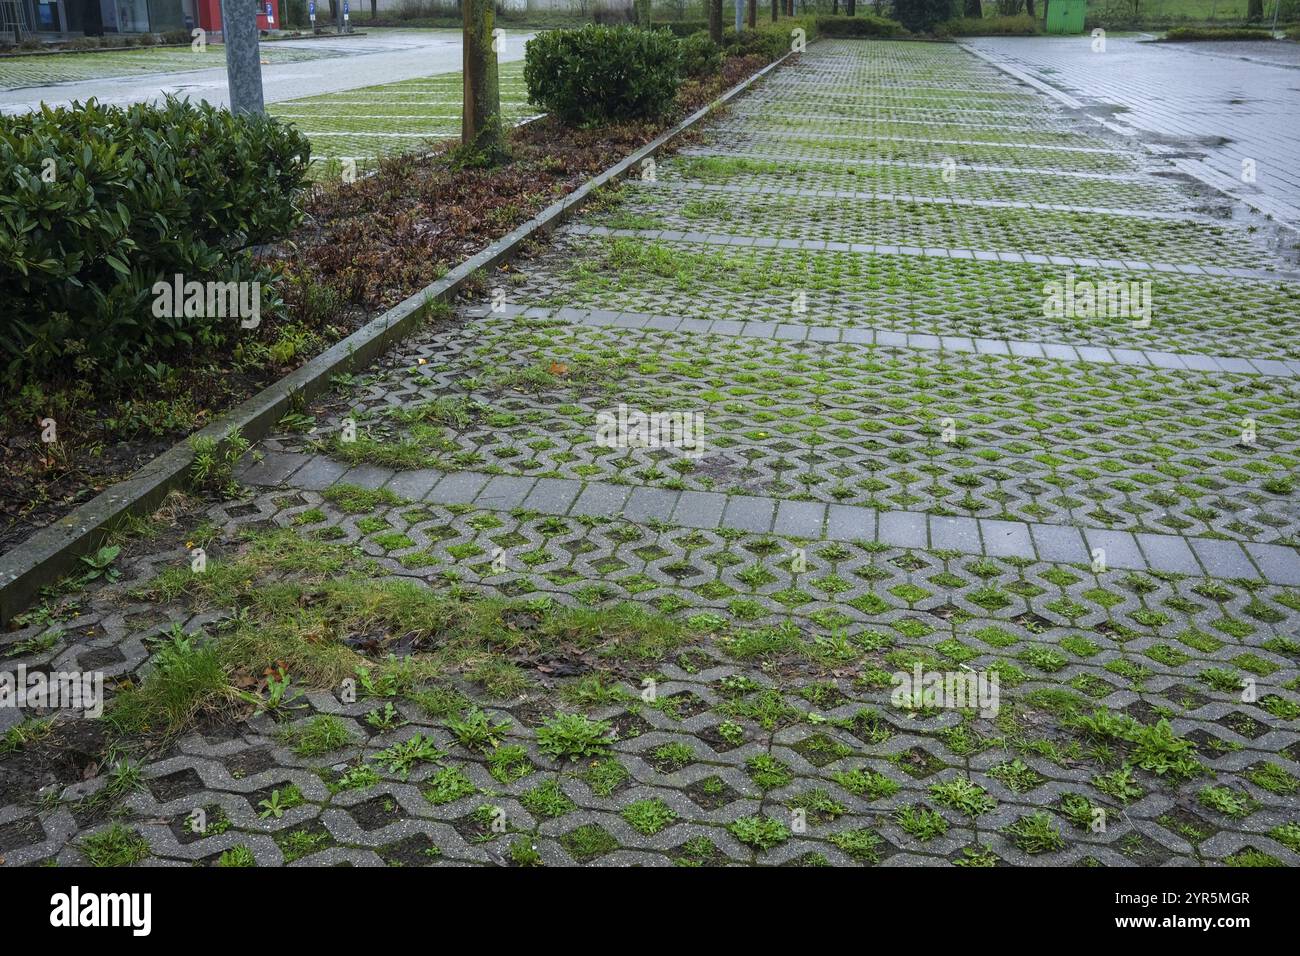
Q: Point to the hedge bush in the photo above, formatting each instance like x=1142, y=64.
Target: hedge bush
x=1186, y=34
x=1022, y=25
x=101, y=202
x=769, y=40
x=700, y=55
x=865, y=26
x=921, y=16
x=684, y=28
x=599, y=74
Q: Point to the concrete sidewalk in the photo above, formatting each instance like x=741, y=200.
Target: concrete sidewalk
x=1210, y=106
x=382, y=56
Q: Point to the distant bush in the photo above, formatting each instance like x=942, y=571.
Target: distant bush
x=921, y=16
x=700, y=55
x=865, y=26
x=599, y=74
x=769, y=40
x=1023, y=25
x=1187, y=34
x=684, y=28
x=102, y=202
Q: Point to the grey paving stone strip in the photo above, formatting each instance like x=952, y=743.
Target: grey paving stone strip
x=55, y=550
x=985, y=255
x=916, y=164
x=1052, y=147
x=767, y=190
x=767, y=113
x=796, y=332
x=1069, y=544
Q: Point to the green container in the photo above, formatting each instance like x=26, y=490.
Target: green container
x=1065, y=16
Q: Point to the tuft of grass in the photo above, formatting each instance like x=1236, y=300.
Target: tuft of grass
x=187, y=678
x=116, y=846
x=762, y=833
x=237, y=856
x=323, y=734
x=1036, y=833
x=648, y=816
x=862, y=845
x=573, y=736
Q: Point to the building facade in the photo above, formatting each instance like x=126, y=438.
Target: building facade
x=96, y=17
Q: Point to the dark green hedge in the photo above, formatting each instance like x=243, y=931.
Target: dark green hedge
x=600, y=74
x=101, y=202
x=700, y=55
x=921, y=16
x=864, y=26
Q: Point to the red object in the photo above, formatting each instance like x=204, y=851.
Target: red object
x=210, y=15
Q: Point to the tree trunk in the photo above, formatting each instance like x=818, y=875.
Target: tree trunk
x=973, y=9
x=374, y=9
x=851, y=8
x=1255, y=11
x=1029, y=8
x=480, y=129
x=642, y=9
x=715, y=21
x=752, y=18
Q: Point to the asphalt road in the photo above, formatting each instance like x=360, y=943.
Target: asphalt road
x=380, y=56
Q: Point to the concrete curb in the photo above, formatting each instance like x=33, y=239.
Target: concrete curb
x=54, y=550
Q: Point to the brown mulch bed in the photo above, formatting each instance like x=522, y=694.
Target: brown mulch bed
x=361, y=248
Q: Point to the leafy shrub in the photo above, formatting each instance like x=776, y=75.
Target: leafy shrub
x=1023, y=25
x=700, y=55
x=685, y=28
x=1187, y=34
x=768, y=40
x=597, y=74
x=865, y=26
x=102, y=202
x=920, y=16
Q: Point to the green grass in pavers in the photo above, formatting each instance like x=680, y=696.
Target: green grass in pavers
x=923, y=294
x=1120, y=447
x=1024, y=186
x=935, y=225
x=872, y=109
x=915, y=148
x=318, y=613
x=537, y=687
x=362, y=124
x=1004, y=133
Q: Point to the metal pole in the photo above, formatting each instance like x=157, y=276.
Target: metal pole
x=243, y=61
